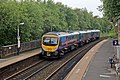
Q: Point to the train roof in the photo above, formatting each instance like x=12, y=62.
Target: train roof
x=70, y=33
x=57, y=33
x=89, y=31
x=83, y=32
x=76, y=32
x=63, y=33
x=95, y=30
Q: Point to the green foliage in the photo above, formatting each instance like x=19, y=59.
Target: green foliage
x=111, y=9
x=41, y=17
x=111, y=33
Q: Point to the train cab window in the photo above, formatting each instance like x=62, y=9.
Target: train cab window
x=46, y=40
x=50, y=41
x=53, y=40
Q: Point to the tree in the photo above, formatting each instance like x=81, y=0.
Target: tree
x=41, y=16
x=111, y=9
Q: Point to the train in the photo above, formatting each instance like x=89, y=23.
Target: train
x=56, y=44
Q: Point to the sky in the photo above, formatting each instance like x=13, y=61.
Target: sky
x=90, y=5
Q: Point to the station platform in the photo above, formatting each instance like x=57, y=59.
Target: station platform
x=94, y=65
x=11, y=60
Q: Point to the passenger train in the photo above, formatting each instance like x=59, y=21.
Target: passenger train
x=56, y=44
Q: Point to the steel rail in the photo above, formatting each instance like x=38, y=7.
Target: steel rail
x=28, y=77
x=23, y=70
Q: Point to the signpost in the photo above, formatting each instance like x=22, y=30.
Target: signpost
x=118, y=32
x=116, y=44
x=118, y=27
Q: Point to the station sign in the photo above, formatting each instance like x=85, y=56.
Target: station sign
x=115, y=43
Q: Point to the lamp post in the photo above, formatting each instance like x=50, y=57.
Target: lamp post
x=51, y=28
x=18, y=38
x=69, y=28
x=67, y=20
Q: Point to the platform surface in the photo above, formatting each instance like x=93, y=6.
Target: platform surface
x=17, y=58
x=94, y=65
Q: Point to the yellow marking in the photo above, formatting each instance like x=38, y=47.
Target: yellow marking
x=49, y=48
x=50, y=36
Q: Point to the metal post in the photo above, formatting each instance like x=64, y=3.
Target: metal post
x=118, y=52
x=118, y=26
x=51, y=29
x=67, y=20
x=70, y=28
x=18, y=38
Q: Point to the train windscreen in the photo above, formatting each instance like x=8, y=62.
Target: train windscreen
x=50, y=41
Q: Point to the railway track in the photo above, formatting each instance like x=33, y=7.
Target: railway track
x=50, y=70
x=28, y=71
x=38, y=70
x=63, y=65
x=16, y=67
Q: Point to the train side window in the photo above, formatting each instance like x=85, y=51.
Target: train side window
x=80, y=35
x=69, y=37
x=73, y=36
x=63, y=39
x=66, y=38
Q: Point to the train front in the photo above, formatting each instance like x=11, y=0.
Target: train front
x=50, y=45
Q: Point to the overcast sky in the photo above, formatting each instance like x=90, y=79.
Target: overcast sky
x=90, y=5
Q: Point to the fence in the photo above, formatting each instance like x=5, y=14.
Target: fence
x=6, y=51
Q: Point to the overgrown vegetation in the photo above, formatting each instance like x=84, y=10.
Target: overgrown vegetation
x=41, y=17
x=111, y=9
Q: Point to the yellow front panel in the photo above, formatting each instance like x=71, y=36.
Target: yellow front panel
x=50, y=48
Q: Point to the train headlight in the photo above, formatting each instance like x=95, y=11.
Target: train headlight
x=44, y=48
x=43, y=52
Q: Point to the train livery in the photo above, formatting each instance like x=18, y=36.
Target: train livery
x=56, y=44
